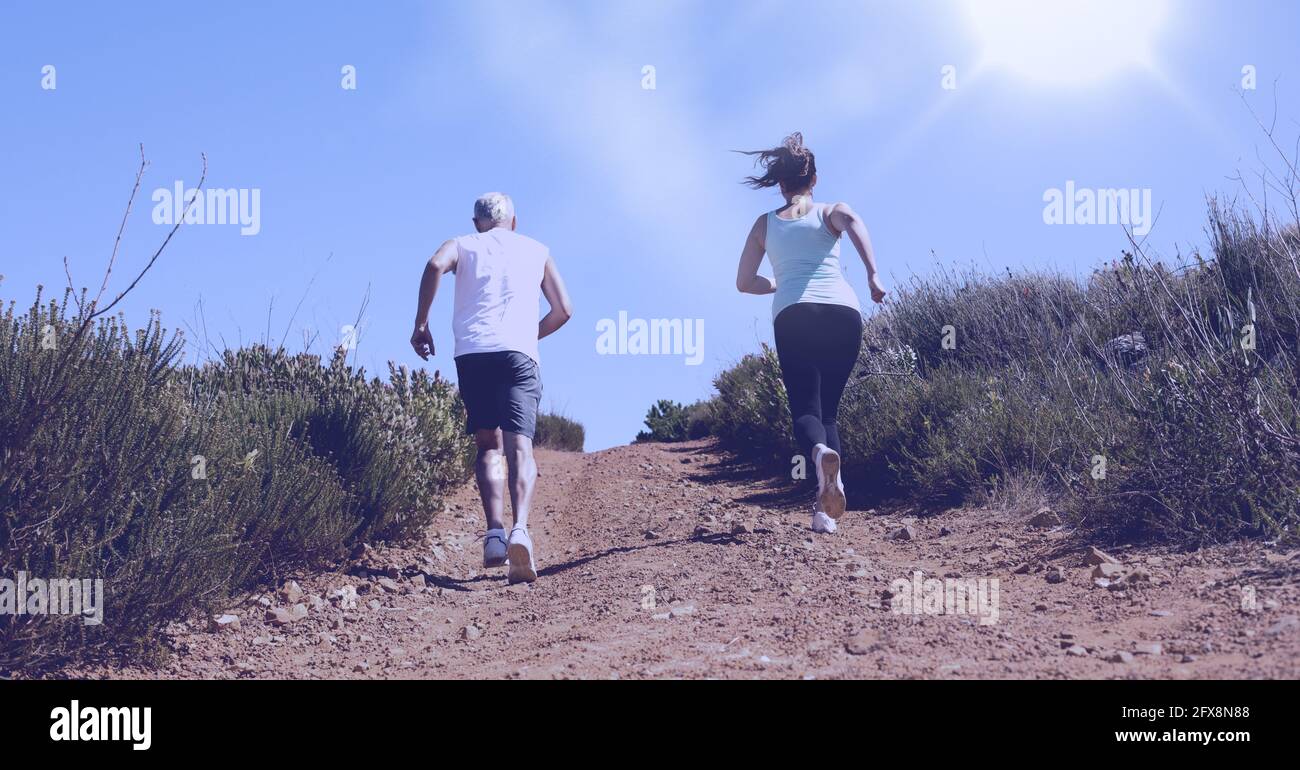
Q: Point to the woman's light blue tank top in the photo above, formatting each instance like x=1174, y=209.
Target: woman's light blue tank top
x=805, y=258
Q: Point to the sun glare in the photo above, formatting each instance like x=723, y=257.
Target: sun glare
x=1067, y=42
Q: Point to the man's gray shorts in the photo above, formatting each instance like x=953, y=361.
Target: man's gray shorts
x=501, y=389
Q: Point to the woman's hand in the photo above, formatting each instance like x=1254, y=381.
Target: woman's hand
x=877, y=291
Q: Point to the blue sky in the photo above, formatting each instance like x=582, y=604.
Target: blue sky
x=634, y=190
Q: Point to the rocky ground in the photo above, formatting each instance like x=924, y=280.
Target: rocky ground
x=672, y=561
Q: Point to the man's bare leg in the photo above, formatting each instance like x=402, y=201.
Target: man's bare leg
x=523, y=481
x=523, y=475
x=489, y=471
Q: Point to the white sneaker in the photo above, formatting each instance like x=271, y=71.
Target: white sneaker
x=823, y=523
x=520, y=552
x=494, y=548
x=830, y=489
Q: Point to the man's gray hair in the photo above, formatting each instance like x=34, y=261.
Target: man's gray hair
x=495, y=208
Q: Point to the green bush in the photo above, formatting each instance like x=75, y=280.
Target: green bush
x=555, y=431
x=670, y=421
x=182, y=486
x=699, y=419
x=751, y=412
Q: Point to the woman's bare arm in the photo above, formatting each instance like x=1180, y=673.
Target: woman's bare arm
x=748, y=281
x=845, y=219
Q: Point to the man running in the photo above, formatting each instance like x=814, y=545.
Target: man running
x=499, y=275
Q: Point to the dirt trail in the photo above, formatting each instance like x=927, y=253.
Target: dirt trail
x=742, y=588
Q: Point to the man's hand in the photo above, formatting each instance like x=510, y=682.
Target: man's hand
x=877, y=291
x=422, y=341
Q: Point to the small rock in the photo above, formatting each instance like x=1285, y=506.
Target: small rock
x=1119, y=656
x=1160, y=613
x=650, y=534
x=1288, y=623
x=1098, y=556
x=1108, y=570
x=1101, y=582
x=225, y=623
x=1056, y=575
x=393, y=572
x=345, y=597
x=389, y=584
x=701, y=531
x=862, y=643
x=903, y=533
x=743, y=528
x=677, y=612
x=471, y=632
x=291, y=592
x=1139, y=576
x=283, y=616
x=1046, y=518
x=1077, y=650
x=1149, y=648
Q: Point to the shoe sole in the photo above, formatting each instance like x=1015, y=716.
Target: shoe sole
x=831, y=500
x=521, y=564
x=500, y=561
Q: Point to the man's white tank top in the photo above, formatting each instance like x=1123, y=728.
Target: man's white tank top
x=498, y=292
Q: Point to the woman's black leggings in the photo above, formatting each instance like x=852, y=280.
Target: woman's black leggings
x=817, y=345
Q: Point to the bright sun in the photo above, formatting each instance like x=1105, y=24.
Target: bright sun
x=1066, y=42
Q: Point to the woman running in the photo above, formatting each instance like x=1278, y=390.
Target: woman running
x=816, y=316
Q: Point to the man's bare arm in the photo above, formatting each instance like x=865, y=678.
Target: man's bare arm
x=442, y=261
x=558, y=298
